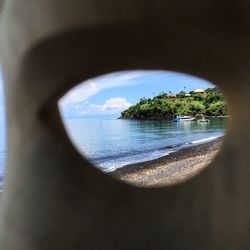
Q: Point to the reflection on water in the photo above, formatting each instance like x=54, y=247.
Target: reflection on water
x=111, y=144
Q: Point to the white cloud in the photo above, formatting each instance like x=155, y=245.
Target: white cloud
x=91, y=87
x=75, y=102
x=80, y=93
x=111, y=106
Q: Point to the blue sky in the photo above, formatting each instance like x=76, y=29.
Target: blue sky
x=108, y=95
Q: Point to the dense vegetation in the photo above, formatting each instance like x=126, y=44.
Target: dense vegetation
x=163, y=106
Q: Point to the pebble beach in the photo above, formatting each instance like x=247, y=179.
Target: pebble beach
x=171, y=169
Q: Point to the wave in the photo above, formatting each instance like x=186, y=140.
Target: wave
x=121, y=160
x=111, y=166
x=211, y=138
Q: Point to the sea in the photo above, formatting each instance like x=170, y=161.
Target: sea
x=113, y=143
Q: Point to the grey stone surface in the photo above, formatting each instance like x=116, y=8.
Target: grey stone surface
x=53, y=198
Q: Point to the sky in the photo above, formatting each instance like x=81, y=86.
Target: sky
x=108, y=95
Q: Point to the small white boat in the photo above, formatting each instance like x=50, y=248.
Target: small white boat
x=185, y=118
x=203, y=121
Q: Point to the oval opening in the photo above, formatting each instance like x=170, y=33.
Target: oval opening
x=147, y=128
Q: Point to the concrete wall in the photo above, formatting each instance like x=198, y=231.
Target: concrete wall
x=55, y=199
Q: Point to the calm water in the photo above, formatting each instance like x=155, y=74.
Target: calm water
x=111, y=144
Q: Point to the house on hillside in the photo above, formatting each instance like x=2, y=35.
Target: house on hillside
x=171, y=95
x=199, y=91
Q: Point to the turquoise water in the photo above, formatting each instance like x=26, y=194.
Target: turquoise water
x=113, y=143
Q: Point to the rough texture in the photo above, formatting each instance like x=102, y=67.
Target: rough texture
x=170, y=169
x=53, y=198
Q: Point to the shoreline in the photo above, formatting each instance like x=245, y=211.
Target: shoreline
x=170, y=169
x=167, y=118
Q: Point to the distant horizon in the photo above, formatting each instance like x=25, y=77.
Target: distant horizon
x=116, y=116
x=110, y=94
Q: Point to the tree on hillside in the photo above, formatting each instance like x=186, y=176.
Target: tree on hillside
x=143, y=101
x=181, y=94
x=197, y=107
x=211, y=104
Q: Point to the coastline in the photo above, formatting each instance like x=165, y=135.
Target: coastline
x=170, y=169
x=168, y=118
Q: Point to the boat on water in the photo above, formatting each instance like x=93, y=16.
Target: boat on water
x=185, y=118
x=203, y=121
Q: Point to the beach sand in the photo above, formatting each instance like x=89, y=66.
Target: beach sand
x=170, y=169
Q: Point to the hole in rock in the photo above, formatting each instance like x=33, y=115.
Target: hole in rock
x=147, y=128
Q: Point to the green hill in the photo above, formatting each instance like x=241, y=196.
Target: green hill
x=164, y=106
